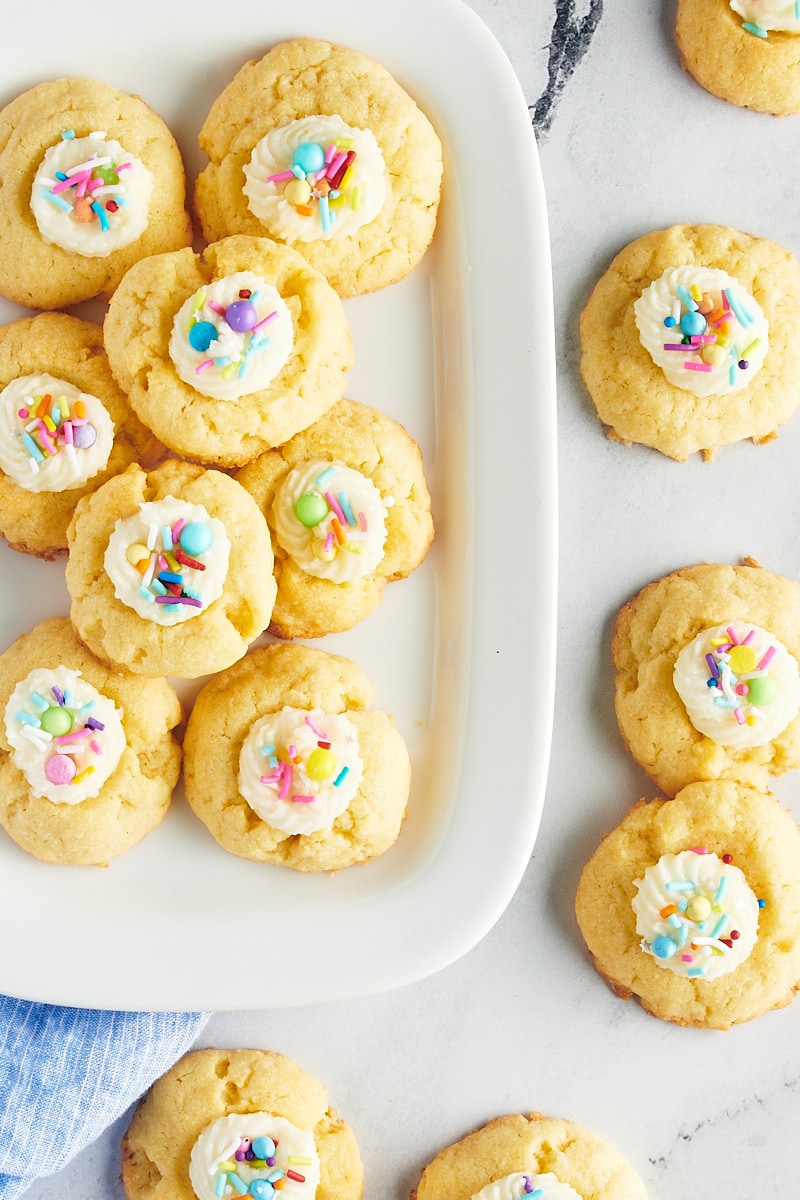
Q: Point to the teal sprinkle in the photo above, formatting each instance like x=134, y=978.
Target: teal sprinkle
x=26, y=719
x=322, y=479
x=340, y=777
x=146, y=594
x=236, y=1180
x=756, y=30
x=68, y=697
x=265, y=750
x=39, y=701
x=158, y=587
x=682, y=885
x=686, y=298
x=87, y=707
x=721, y=890
x=121, y=201
x=273, y=760
x=720, y=925
x=192, y=593
x=674, y=920
x=225, y=361
x=100, y=213
x=55, y=199
x=67, y=135
x=683, y=935
x=693, y=971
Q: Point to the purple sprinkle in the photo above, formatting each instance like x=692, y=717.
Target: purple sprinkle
x=712, y=665
x=59, y=695
x=179, y=600
x=93, y=723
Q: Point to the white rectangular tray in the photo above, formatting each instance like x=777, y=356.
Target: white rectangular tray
x=463, y=653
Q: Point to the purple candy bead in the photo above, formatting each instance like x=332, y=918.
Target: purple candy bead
x=84, y=436
x=60, y=769
x=241, y=315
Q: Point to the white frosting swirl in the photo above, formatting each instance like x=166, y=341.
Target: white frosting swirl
x=704, y=901
x=48, y=460
x=340, y=546
x=299, y=770
x=70, y=761
x=769, y=14
x=295, y=1160
x=753, y=697
x=143, y=535
x=737, y=332
x=359, y=199
x=96, y=215
x=535, y=1187
x=235, y=362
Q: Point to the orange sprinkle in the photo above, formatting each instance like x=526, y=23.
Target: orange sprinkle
x=44, y=406
x=304, y=211
x=668, y=910
x=338, y=532
x=80, y=408
x=142, y=565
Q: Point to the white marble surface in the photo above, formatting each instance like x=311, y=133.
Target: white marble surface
x=523, y=1022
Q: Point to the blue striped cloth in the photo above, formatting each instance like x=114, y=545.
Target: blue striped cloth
x=67, y=1073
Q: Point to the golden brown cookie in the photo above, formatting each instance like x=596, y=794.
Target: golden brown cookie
x=733, y=57
x=170, y=572
x=215, y=1105
x=37, y=353
x=715, y=877
x=87, y=758
x=649, y=385
x=339, y=799
x=59, y=243
x=349, y=511
x=745, y=736
x=312, y=94
x=575, y=1163
x=226, y=355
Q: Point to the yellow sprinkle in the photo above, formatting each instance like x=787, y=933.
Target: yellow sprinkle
x=345, y=143
x=49, y=424
x=173, y=562
x=346, y=179
x=231, y=369
x=749, y=349
x=695, y=292
x=355, y=199
x=82, y=775
x=338, y=201
x=64, y=407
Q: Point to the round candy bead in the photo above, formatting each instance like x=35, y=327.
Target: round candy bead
x=693, y=323
x=713, y=354
x=743, y=364
x=84, y=436
x=263, y=1147
x=136, y=552
x=311, y=509
x=761, y=690
x=698, y=908
x=108, y=174
x=742, y=659
x=241, y=315
x=309, y=156
x=56, y=720
x=321, y=765
x=195, y=538
x=60, y=769
x=664, y=947
x=201, y=335
x=669, y=322
x=297, y=191
x=261, y=1189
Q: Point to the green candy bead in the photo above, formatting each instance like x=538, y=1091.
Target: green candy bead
x=761, y=690
x=321, y=765
x=107, y=174
x=311, y=509
x=56, y=721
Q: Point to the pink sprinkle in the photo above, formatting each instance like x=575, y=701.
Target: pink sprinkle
x=703, y=339
x=271, y=778
x=747, y=640
x=97, y=749
x=292, y=751
x=286, y=781
x=93, y=184
x=126, y=166
x=279, y=178
x=698, y=850
x=328, y=543
x=687, y=958
x=724, y=317
x=302, y=799
x=732, y=635
x=177, y=527
x=44, y=437
x=163, y=565
x=362, y=521
x=334, y=504
x=766, y=657
x=216, y=306
x=335, y=163
x=23, y=414
x=68, y=435
x=329, y=153
x=64, y=184
x=693, y=366
x=265, y=321
x=737, y=712
x=204, y=365
x=316, y=729
x=71, y=737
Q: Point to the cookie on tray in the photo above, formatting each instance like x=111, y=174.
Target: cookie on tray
x=544, y=1158
x=229, y=353
x=693, y=905
x=241, y=1120
x=319, y=147
x=65, y=428
x=707, y=683
x=286, y=763
x=92, y=182
x=349, y=511
x=689, y=340
x=87, y=757
x=744, y=51
x=170, y=572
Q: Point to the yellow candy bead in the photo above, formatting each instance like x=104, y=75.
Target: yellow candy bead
x=713, y=354
x=742, y=659
x=321, y=765
x=698, y=909
x=136, y=552
x=297, y=191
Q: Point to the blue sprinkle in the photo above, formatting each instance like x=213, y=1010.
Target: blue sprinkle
x=340, y=777
x=39, y=701
x=67, y=135
x=26, y=719
x=146, y=594
x=265, y=750
x=57, y=200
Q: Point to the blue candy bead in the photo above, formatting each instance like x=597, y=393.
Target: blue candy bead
x=202, y=335
x=693, y=323
x=669, y=322
x=309, y=157
x=262, y=1189
x=263, y=1147
x=664, y=947
x=195, y=538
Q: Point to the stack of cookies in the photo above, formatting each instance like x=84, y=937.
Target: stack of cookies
x=198, y=462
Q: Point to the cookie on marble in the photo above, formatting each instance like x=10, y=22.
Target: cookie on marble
x=87, y=757
x=319, y=147
x=546, y=1158
x=349, y=511
x=92, y=182
x=54, y=451
x=689, y=343
x=228, y=354
x=170, y=572
x=226, y=1115
x=693, y=905
x=744, y=51
x=707, y=682
x=286, y=762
